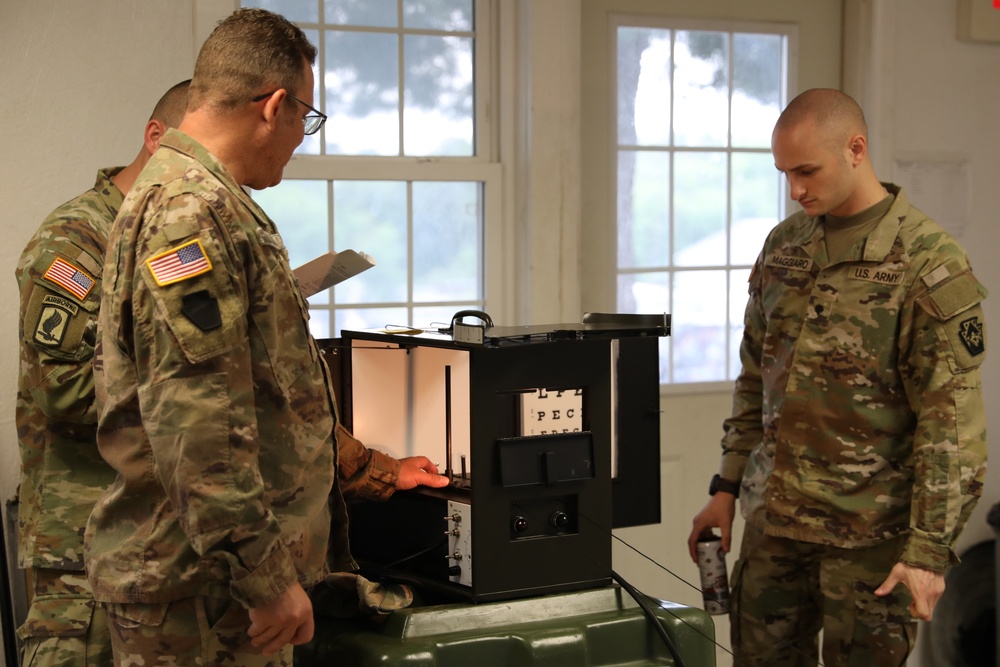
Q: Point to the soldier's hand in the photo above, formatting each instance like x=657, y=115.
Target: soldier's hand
x=288, y=619
x=419, y=471
x=718, y=513
x=925, y=586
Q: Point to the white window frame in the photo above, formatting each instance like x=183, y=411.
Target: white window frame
x=616, y=21
x=484, y=167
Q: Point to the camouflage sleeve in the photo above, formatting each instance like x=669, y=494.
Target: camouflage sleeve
x=942, y=349
x=58, y=332
x=196, y=394
x=365, y=474
x=743, y=430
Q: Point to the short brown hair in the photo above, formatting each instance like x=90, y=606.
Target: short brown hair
x=250, y=50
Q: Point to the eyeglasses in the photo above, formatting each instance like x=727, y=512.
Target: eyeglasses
x=312, y=122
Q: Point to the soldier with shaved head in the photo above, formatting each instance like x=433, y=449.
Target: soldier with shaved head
x=62, y=474
x=857, y=442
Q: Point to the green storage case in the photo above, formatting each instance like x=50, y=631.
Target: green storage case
x=601, y=627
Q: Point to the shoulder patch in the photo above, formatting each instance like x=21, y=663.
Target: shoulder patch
x=970, y=332
x=50, y=329
x=69, y=277
x=180, y=263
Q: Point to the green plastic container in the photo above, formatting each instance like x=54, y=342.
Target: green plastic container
x=594, y=628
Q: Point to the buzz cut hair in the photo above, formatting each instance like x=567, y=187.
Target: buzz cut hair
x=833, y=112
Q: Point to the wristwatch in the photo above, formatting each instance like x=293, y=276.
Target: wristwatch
x=718, y=484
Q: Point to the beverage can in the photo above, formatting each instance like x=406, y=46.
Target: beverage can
x=714, y=578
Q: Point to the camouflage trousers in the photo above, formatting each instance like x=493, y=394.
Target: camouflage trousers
x=64, y=627
x=192, y=632
x=786, y=591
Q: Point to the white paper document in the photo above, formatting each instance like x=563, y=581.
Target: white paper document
x=327, y=270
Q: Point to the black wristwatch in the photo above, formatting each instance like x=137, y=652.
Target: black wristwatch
x=718, y=484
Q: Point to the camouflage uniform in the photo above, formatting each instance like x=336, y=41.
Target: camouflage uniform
x=858, y=418
x=216, y=410
x=63, y=475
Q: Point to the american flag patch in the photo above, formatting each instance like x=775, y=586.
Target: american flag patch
x=69, y=277
x=186, y=261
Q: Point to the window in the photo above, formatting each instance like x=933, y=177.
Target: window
x=404, y=168
x=696, y=190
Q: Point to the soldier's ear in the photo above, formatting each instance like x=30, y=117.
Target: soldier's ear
x=155, y=130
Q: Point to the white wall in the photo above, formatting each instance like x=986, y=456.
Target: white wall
x=79, y=79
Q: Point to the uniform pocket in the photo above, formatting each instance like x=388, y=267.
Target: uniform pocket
x=57, y=616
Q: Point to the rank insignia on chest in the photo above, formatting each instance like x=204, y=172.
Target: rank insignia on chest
x=180, y=263
x=70, y=278
x=971, y=333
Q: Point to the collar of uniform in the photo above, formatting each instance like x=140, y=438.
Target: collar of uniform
x=176, y=140
x=879, y=242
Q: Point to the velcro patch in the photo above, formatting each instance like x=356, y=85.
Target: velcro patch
x=954, y=295
x=180, y=263
x=69, y=277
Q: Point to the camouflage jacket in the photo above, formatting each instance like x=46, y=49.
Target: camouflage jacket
x=59, y=274
x=215, y=406
x=858, y=415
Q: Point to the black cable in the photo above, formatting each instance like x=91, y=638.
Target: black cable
x=418, y=554
x=651, y=615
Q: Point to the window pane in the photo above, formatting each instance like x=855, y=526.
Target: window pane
x=362, y=93
x=643, y=208
x=644, y=292
x=701, y=80
x=738, y=296
x=700, y=209
x=437, y=109
x=437, y=317
x=311, y=143
x=319, y=323
x=371, y=216
x=757, y=70
x=643, y=87
x=447, y=246
x=354, y=319
x=438, y=14
x=756, y=198
x=297, y=11
x=698, y=326
x=376, y=13
x=299, y=209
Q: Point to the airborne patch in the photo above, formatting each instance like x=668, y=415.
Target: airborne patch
x=970, y=332
x=52, y=323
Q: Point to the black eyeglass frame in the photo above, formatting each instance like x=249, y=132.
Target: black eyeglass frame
x=308, y=120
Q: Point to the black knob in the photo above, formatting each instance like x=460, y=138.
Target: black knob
x=519, y=524
x=560, y=520
x=454, y=571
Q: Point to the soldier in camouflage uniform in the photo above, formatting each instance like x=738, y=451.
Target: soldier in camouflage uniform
x=216, y=409
x=63, y=475
x=857, y=443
